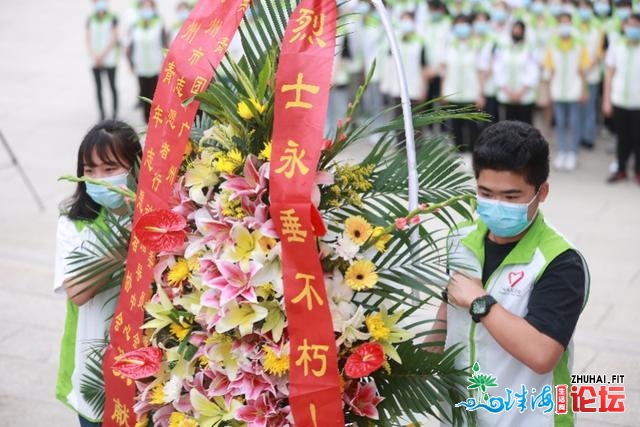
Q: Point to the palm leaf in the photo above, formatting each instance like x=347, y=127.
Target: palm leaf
x=92, y=382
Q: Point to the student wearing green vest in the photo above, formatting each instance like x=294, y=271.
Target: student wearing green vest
x=108, y=152
x=517, y=286
x=102, y=43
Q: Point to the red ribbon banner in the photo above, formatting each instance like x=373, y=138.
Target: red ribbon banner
x=187, y=70
x=302, y=93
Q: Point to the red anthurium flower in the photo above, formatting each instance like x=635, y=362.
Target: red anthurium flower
x=365, y=359
x=140, y=363
x=161, y=230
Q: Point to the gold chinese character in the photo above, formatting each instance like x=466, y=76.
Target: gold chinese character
x=222, y=45
x=169, y=72
x=314, y=415
x=244, y=6
x=191, y=32
x=313, y=34
x=309, y=293
x=148, y=159
x=198, y=85
x=148, y=208
x=120, y=413
x=292, y=159
x=171, y=118
x=118, y=322
x=138, y=272
x=139, y=200
x=185, y=126
x=196, y=54
x=318, y=355
x=135, y=242
x=180, y=86
x=165, y=149
x=136, y=340
x=127, y=332
x=299, y=87
x=133, y=302
x=171, y=175
x=156, y=181
x=157, y=115
x=291, y=226
x=151, y=259
x=142, y=299
x=128, y=282
x=214, y=27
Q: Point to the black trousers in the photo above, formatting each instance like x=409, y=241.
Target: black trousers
x=627, y=124
x=465, y=132
x=147, y=89
x=111, y=77
x=520, y=112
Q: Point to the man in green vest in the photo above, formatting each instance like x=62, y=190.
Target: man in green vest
x=517, y=286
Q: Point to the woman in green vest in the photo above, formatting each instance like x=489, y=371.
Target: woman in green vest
x=108, y=153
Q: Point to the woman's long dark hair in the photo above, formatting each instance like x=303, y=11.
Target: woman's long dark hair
x=115, y=143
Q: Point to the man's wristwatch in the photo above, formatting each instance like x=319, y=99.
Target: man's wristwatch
x=480, y=307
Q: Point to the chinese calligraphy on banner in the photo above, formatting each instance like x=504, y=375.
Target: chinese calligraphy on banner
x=302, y=92
x=187, y=71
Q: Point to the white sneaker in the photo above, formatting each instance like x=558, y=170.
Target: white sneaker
x=570, y=162
x=559, y=161
x=613, y=167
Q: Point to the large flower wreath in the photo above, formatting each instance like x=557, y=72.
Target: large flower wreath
x=216, y=316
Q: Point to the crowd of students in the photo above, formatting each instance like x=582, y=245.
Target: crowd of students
x=577, y=62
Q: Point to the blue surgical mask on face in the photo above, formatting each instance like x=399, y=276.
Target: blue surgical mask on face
x=499, y=15
x=585, y=13
x=147, y=13
x=101, y=6
x=462, y=30
x=183, y=14
x=537, y=8
x=504, y=219
x=632, y=33
x=565, y=30
x=602, y=8
x=481, y=27
x=623, y=14
x=105, y=197
x=555, y=9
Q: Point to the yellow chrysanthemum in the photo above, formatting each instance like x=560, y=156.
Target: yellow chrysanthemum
x=376, y=327
x=231, y=207
x=228, y=162
x=358, y=229
x=265, y=154
x=178, y=419
x=157, y=395
x=179, y=272
x=274, y=364
x=361, y=275
x=245, y=112
x=179, y=331
x=381, y=239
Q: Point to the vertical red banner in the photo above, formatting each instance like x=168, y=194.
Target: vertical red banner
x=187, y=70
x=302, y=93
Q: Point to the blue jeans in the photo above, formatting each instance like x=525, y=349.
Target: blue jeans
x=589, y=115
x=567, y=130
x=85, y=423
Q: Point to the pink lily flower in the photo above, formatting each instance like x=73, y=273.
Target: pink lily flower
x=364, y=400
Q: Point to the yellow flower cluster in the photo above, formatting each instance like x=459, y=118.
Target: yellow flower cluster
x=231, y=207
x=178, y=419
x=265, y=154
x=274, y=364
x=228, y=162
x=180, y=331
x=157, y=395
x=245, y=111
x=350, y=182
x=377, y=328
x=179, y=272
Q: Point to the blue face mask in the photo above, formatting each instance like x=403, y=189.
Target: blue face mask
x=537, y=8
x=462, y=30
x=632, y=33
x=565, y=30
x=499, y=15
x=555, y=9
x=101, y=6
x=105, y=197
x=147, y=13
x=183, y=14
x=585, y=13
x=623, y=14
x=602, y=9
x=504, y=219
x=481, y=27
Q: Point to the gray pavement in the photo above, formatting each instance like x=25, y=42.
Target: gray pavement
x=47, y=104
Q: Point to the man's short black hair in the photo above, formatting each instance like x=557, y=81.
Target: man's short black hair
x=513, y=146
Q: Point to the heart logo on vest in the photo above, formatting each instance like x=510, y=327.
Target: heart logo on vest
x=515, y=277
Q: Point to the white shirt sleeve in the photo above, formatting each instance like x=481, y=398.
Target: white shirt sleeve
x=610, y=58
x=531, y=72
x=499, y=75
x=67, y=239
